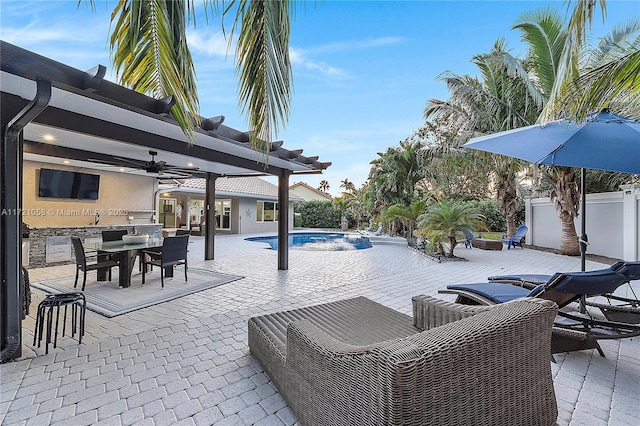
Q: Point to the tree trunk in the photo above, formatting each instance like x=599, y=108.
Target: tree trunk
x=452, y=244
x=569, y=239
x=508, y=197
x=566, y=195
x=511, y=224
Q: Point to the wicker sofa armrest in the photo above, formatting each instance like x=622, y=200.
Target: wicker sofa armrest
x=493, y=368
x=495, y=365
x=349, y=384
x=430, y=312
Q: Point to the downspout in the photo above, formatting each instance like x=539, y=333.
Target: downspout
x=11, y=200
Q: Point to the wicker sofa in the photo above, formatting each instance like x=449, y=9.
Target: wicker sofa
x=357, y=362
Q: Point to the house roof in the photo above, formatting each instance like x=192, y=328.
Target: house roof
x=309, y=187
x=96, y=122
x=237, y=187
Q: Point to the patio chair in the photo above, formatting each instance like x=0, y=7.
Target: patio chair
x=563, y=289
x=357, y=362
x=468, y=236
x=517, y=238
x=174, y=252
x=82, y=265
x=113, y=235
x=615, y=308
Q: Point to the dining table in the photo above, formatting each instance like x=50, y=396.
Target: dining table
x=126, y=253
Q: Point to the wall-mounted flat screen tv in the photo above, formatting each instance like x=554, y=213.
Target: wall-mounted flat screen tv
x=63, y=184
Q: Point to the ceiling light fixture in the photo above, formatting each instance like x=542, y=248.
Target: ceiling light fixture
x=48, y=137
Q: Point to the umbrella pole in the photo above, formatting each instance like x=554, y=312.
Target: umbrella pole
x=583, y=238
x=583, y=207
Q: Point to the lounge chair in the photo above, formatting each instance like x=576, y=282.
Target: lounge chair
x=615, y=308
x=563, y=289
x=517, y=238
x=358, y=362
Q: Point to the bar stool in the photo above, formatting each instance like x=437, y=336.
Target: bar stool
x=78, y=304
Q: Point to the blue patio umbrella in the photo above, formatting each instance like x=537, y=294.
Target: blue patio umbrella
x=605, y=141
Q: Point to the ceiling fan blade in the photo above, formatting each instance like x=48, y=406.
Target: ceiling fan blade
x=164, y=174
x=137, y=163
x=181, y=169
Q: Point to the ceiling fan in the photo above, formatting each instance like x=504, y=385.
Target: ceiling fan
x=161, y=168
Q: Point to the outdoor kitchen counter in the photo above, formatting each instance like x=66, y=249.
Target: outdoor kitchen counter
x=38, y=239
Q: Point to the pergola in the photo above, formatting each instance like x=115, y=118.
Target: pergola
x=96, y=121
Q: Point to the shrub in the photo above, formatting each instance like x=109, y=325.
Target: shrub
x=318, y=214
x=494, y=216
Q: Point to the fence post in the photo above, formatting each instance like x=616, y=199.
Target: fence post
x=528, y=220
x=630, y=221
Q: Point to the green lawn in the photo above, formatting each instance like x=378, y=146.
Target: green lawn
x=490, y=235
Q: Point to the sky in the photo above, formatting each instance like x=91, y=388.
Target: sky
x=363, y=70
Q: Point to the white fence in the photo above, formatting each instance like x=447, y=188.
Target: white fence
x=613, y=223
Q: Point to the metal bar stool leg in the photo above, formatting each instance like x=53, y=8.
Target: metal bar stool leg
x=55, y=338
x=35, y=328
x=49, y=324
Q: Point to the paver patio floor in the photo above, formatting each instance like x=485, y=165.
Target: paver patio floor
x=187, y=361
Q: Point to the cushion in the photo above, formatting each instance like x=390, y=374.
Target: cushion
x=498, y=293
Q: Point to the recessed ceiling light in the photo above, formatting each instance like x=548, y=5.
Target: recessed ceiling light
x=190, y=164
x=48, y=137
x=66, y=161
x=122, y=169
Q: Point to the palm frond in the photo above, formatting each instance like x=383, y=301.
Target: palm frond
x=543, y=31
x=581, y=18
x=263, y=66
x=618, y=80
x=150, y=54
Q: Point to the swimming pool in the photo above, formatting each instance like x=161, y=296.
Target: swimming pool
x=333, y=241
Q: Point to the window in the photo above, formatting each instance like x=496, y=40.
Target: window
x=266, y=211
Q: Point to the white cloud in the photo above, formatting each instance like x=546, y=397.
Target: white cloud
x=298, y=58
x=303, y=57
x=208, y=43
x=356, y=44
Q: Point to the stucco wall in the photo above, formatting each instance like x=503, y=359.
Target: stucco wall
x=247, y=218
x=120, y=196
x=604, y=224
x=307, y=194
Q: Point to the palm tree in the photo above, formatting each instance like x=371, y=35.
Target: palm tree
x=447, y=219
x=324, y=186
x=396, y=173
x=547, y=37
x=409, y=213
x=505, y=99
x=341, y=205
x=348, y=186
x=150, y=54
x=554, y=53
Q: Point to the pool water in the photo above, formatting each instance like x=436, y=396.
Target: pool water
x=330, y=241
